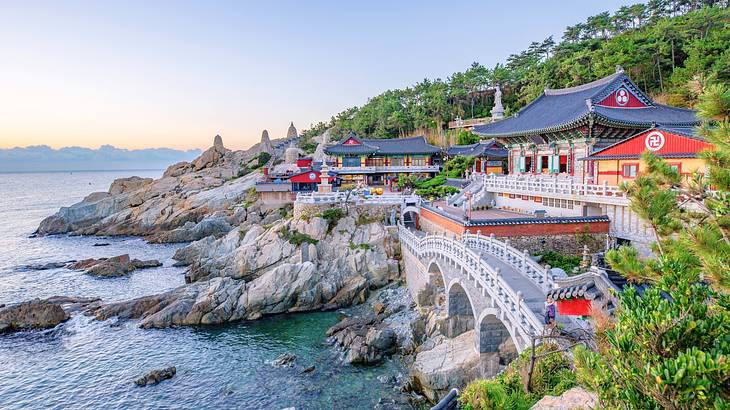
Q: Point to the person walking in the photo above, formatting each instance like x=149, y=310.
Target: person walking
x=550, y=310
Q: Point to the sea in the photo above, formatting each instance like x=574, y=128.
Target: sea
x=90, y=364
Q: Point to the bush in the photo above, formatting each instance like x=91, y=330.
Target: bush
x=263, y=158
x=552, y=375
x=332, y=216
x=558, y=260
x=295, y=237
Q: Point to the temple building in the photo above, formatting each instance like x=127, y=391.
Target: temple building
x=621, y=162
x=379, y=161
x=489, y=156
x=556, y=130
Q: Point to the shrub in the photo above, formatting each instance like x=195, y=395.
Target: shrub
x=552, y=375
x=332, y=216
x=263, y=158
x=559, y=260
x=296, y=238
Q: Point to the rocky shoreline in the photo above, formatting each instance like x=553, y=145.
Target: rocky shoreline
x=245, y=261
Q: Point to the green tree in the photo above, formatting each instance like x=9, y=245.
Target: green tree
x=668, y=346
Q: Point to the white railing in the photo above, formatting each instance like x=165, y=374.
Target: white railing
x=539, y=275
x=553, y=186
x=387, y=169
x=511, y=302
x=358, y=199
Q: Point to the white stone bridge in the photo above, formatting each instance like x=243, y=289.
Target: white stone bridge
x=490, y=286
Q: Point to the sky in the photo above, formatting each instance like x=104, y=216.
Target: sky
x=140, y=74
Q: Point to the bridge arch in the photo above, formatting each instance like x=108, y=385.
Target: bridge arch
x=460, y=309
x=409, y=215
x=493, y=334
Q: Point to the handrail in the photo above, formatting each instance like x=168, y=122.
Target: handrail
x=340, y=197
x=512, y=304
x=539, y=275
x=535, y=184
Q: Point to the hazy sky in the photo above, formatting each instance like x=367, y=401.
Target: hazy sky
x=155, y=73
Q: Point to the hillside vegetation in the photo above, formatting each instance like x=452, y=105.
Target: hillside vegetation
x=671, y=49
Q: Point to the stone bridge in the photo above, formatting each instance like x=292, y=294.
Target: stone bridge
x=490, y=286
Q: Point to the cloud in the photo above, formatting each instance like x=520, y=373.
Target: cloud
x=106, y=157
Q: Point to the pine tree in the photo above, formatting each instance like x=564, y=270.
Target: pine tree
x=668, y=344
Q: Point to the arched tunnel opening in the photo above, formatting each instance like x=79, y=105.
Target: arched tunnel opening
x=495, y=338
x=410, y=220
x=432, y=294
x=461, y=314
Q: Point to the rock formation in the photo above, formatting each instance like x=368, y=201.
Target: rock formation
x=265, y=144
x=156, y=376
x=575, y=398
x=188, y=193
x=114, y=266
x=293, y=265
x=40, y=313
x=292, y=131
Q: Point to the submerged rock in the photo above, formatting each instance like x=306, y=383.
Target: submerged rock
x=44, y=266
x=34, y=314
x=285, y=359
x=156, y=376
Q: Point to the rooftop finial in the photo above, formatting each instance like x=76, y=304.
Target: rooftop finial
x=619, y=69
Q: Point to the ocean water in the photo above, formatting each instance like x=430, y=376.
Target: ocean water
x=88, y=364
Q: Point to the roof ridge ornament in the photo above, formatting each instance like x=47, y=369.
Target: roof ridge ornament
x=619, y=69
x=589, y=104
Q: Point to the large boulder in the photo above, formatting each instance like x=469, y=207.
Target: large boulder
x=34, y=314
x=452, y=363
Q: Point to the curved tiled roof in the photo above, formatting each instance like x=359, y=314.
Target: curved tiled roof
x=393, y=146
x=487, y=148
x=531, y=221
x=556, y=110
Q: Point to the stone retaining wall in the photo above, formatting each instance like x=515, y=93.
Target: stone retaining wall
x=305, y=211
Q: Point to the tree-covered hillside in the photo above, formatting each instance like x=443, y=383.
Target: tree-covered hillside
x=669, y=48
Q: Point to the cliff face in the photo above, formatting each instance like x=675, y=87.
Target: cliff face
x=259, y=270
x=205, y=191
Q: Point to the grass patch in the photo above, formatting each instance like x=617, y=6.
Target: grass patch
x=295, y=237
x=364, y=219
x=363, y=246
x=242, y=234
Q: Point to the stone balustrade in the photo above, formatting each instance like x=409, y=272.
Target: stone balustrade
x=468, y=255
x=554, y=186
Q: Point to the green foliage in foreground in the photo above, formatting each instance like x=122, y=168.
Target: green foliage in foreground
x=670, y=347
x=552, y=375
x=295, y=237
x=558, y=260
